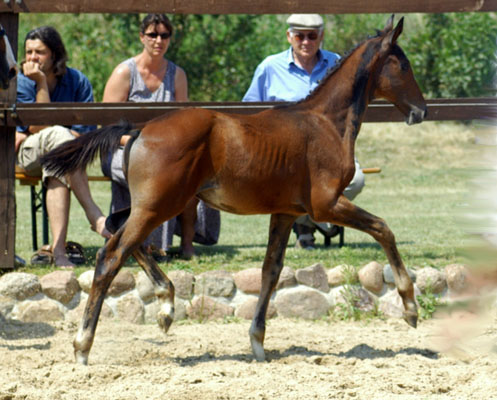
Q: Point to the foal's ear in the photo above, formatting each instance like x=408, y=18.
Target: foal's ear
x=398, y=30
x=391, y=37
x=389, y=25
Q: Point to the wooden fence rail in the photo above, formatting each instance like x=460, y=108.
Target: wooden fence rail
x=108, y=113
x=246, y=7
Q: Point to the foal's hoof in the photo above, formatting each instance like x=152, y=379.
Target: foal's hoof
x=165, y=316
x=411, y=317
x=81, y=357
x=164, y=322
x=257, y=350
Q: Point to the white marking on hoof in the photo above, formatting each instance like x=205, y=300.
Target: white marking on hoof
x=81, y=358
x=165, y=316
x=257, y=350
x=166, y=310
x=79, y=336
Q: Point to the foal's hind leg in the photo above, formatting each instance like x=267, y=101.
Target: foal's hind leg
x=109, y=261
x=279, y=232
x=347, y=214
x=164, y=289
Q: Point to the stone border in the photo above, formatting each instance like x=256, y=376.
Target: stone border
x=308, y=293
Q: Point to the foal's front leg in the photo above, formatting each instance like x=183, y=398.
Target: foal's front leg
x=347, y=214
x=279, y=232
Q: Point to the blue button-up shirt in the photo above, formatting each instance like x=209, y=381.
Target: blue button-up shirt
x=74, y=86
x=278, y=78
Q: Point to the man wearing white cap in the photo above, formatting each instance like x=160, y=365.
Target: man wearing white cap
x=290, y=76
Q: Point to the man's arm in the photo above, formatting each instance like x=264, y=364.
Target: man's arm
x=256, y=90
x=31, y=70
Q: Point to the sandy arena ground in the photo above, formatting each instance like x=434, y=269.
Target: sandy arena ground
x=307, y=360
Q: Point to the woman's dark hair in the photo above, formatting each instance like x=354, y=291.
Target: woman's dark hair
x=156, y=19
x=51, y=38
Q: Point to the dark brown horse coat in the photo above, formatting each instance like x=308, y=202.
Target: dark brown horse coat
x=8, y=67
x=288, y=161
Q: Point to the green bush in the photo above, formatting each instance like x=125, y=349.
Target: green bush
x=220, y=52
x=453, y=55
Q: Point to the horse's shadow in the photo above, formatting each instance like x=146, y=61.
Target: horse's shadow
x=229, y=252
x=11, y=329
x=360, y=352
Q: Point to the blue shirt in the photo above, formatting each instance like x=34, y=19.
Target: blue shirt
x=74, y=86
x=278, y=78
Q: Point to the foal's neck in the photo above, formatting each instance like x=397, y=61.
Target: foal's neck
x=345, y=95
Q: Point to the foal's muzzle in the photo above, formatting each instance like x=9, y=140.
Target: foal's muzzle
x=5, y=81
x=416, y=115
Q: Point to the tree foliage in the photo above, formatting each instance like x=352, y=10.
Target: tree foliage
x=220, y=52
x=453, y=55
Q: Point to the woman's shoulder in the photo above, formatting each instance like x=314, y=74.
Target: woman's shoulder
x=123, y=70
x=126, y=66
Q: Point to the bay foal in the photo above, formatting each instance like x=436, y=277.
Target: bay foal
x=287, y=161
x=8, y=68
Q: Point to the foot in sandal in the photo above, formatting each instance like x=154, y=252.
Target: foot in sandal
x=99, y=227
x=61, y=261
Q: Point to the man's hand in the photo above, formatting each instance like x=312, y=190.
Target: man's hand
x=32, y=71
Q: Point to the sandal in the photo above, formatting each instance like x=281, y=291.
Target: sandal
x=179, y=254
x=159, y=255
x=75, y=253
x=43, y=256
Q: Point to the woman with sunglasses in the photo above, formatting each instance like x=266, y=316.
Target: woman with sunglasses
x=292, y=75
x=150, y=77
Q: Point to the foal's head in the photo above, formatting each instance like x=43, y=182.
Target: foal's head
x=8, y=68
x=395, y=80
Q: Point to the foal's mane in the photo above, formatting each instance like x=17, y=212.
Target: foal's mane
x=332, y=70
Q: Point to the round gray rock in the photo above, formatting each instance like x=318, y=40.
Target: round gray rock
x=19, y=285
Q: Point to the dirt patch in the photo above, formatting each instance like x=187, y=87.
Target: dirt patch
x=307, y=360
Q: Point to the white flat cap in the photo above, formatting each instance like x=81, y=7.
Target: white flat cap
x=305, y=21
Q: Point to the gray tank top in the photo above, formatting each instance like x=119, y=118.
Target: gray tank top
x=139, y=92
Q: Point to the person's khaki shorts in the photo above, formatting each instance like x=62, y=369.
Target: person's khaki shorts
x=38, y=144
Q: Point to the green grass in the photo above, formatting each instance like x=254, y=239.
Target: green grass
x=423, y=184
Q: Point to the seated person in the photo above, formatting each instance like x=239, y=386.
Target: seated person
x=290, y=76
x=45, y=78
x=148, y=77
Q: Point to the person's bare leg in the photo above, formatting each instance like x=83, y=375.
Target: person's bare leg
x=78, y=181
x=188, y=218
x=58, y=205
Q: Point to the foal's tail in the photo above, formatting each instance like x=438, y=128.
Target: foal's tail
x=78, y=153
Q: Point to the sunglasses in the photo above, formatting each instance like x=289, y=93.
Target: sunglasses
x=163, y=36
x=301, y=36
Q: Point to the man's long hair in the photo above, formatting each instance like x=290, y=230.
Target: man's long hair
x=51, y=38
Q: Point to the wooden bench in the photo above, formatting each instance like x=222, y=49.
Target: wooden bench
x=38, y=202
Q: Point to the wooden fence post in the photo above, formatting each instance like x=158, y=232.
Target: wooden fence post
x=10, y=22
